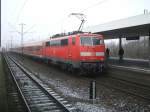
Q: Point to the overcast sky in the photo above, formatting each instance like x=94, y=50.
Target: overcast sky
x=43, y=18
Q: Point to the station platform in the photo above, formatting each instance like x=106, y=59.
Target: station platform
x=139, y=64
x=135, y=63
x=135, y=70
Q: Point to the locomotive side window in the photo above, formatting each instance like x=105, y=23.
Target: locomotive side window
x=64, y=42
x=73, y=40
x=55, y=43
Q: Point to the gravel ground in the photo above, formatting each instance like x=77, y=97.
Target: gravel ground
x=134, y=76
x=76, y=89
x=3, y=97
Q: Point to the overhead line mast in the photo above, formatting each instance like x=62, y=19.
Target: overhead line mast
x=0, y=25
x=22, y=32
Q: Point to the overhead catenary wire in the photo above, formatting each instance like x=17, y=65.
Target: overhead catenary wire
x=13, y=27
x=27, y=31
x=25, y=2
x=21, y=32
x=94, y=5
x=20, y=11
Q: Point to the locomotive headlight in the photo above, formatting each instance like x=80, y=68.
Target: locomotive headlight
x=92, y=54
x=100, y=54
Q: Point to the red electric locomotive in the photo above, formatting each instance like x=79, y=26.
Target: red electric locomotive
x=84, y=51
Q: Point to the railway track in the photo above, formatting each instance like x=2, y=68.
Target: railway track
x=125, y=86
x=128, y=87
x=37, y=96
x=14, y=100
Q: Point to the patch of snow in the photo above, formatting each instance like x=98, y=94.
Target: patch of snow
x=91, y=108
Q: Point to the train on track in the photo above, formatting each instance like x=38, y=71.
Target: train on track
x=80, y=51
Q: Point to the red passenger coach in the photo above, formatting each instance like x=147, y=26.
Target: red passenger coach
x=85, y=51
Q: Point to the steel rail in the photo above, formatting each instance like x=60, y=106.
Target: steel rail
x=41, y=86
x=19, y=89
x=134, y=69
x=124, y=90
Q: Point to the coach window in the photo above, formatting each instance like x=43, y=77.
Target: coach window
x=64, y=42
x=52, y=43
x=57, y=42
x=73, y=40
x=47, y=43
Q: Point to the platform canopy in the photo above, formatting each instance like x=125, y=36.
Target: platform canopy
x=129, y=27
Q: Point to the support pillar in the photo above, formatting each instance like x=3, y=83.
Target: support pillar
x=149, y=46
x=120, y=44
x=0, y=25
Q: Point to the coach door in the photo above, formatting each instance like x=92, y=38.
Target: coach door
x=69, y=48
x=72, y=48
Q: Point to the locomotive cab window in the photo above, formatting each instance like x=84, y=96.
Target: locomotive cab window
x=97, y=41
x=90, y=41
x=86, y=41
x=64, y=42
